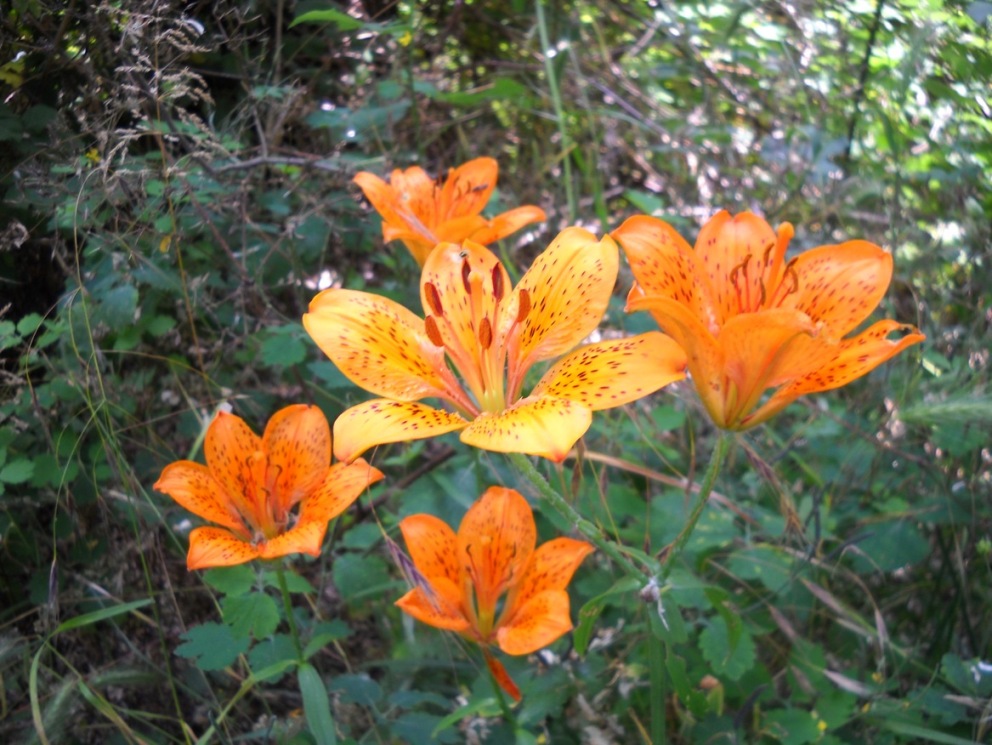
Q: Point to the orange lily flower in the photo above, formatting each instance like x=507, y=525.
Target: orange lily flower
x=751, y=320
x=493, y=336
x=251, y=484
x=464, y=576
x=422, y=211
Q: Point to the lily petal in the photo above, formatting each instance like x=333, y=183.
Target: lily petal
x=191, y=485
x=298, y=442
x=432, y=545
x=733, y=251
x=302, y=538
x=507, y=223
x=757, y=352
x=416, y=201
x=854, y=357
x=381, y=421
x=501, y=676
x=840, y=286
x=377, y=344
x=233, y=455
x=545, y=426
x=551, y=568
x=437, y=606
x=389, y=201
x=665, y=265
x=536, y=624
x=705, y=356
x=568, y=288
x=217, y=547
x=612, y=373
x=495, y=541
x=467, y=188
x=345, y=482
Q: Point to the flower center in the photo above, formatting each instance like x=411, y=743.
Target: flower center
x=767, y=283
x=478, y=346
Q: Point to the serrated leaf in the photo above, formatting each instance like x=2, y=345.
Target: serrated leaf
x=211, y=646
x=356, y=576
x=231, y=581
x=117, y=307
x=358, y=689
x=316, y=705
x=729, y=660
x=269, y=654
x=284, y=346
x=255, y=613
x=294, y=583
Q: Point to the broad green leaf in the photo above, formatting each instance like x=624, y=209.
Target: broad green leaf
x=212, y=646
x=316, y=705
x=593, y=608
x=323, y=634
x=255, y=613
x=17, y=471
x=232, y=581
x=727, y=660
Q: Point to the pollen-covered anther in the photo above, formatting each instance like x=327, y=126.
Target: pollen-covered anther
x=466, y=276
x=433, y=299
x=433, y=332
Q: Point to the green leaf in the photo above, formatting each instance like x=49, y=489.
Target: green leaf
x=29, y=324
x=323, y=634
x=726, y=659
x=17, y=471
x=484, y=707
x=592, y=609
x=342, y=20
x=357, y=689
x=500, y=89
x=283, y=346
x=357, y=576
x=316, y=705
x=233, y=581
x=889, y=546
x=255, y=613
x=792, y=726
x=211, y=646
x=117, y=306
x=294, y=583
x=269, y=654
x=100, y=615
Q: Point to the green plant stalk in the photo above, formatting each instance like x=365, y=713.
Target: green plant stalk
x=659, y=685
x=288, y=608
x=590, y=531
x=566, y=142
x=709, y=479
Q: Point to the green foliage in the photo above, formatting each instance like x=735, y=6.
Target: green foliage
x=174, y=189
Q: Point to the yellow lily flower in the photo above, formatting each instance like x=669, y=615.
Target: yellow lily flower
x=251, y=486
x=492, y=335
x=463, y=577
x=750, y=320
x=422, y=211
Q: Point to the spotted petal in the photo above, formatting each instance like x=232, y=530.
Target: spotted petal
x=495, y=541
x=840, y=286
x=382, y=421
x=551, y=568
x=344, y=483
x=568, y=288
x=437, y=605
x=467, y=188
x=664, y=265
x=547, y=426
x=432, y=545
x=234, y=455
x=297, y=440
x=853, y=358
x=191, y=485
x=612, y=373
x=392, y=202
x=733, y=251
x=216, y=547
x=377, y=344
x=536, y=624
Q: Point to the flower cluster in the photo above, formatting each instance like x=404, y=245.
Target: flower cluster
x=752, y=327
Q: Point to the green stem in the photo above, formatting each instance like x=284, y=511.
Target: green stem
x=716, y=461
x=287, y=606
x=590, y=531
x=659, y=679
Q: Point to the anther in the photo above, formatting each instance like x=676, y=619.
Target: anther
x=485, y=333
x=497, y=282
x=433, y=299
x=433, y=333
x=466, y=273
x=524, y=308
